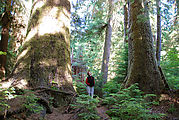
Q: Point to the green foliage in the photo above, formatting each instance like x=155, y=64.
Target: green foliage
x=11, y=59
x=169, y=54
x=110, y=87
x=130, y=104
x=31, y=102
x=2, y=53
x=80, y=88
x=172, y=108
x=87, y=107
x=170, y=64
x=142, y=18
x=121, y=64
x=88, y=25
x=6, y=94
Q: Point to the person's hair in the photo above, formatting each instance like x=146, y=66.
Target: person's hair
x=88, y=72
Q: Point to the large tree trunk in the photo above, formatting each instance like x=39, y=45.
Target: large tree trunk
x=158, y=43
x=142, y=67
x=107, y=45
x=5, y=37
x=45, y=57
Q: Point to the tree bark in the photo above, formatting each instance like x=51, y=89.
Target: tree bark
x=107, y=45
x=6, y=21
x=158, y=42
x=177, y=13
x=45, y=55
x=142, y=65
x=125, y=23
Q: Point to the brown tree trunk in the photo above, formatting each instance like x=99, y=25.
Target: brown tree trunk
x=125, y=23
x=176, y=17
x=158, y=42
x=107, y=45
x=142, y=67
x=45, y=57
x=4, y=37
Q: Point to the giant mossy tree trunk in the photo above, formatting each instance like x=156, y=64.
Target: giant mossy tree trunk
x=142, y=67
x=45, y=54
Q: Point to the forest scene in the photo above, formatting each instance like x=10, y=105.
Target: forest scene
x=89, y=60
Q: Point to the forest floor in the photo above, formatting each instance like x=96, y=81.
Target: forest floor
x=168, y=106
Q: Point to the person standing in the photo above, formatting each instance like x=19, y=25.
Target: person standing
x=90, y=84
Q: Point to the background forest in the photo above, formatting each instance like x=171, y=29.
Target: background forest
x=88, y=35
x=130, y=47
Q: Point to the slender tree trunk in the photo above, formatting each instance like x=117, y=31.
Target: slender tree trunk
x=142, y=66
x=45, y=57
x=158, y=42
x=107, y=45
x=6, y=21
x=125, y=23
x=176, y=17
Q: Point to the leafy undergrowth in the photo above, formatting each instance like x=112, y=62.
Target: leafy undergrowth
x=131, y=104
x=128, y=104
x=169, y=106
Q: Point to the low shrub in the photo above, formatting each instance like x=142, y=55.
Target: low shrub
x=87, y=107
x=130, y=104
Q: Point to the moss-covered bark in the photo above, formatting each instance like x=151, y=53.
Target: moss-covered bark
x=45, y=55
x=142, y=66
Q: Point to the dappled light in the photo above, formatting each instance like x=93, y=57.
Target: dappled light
x=89, y=60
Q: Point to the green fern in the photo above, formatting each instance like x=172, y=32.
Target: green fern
x=87, y=107
x=130, y=104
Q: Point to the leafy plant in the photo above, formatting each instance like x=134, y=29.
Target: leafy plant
x=111, y=87
x=121, y=63
x=31, y=102
x=130, y=104
x=80, y=88
x=2, y=53
x=87, y=107
x=6, y=94
x=170, y=65
x=172, y=108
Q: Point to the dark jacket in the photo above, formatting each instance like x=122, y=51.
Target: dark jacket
x=90, y=81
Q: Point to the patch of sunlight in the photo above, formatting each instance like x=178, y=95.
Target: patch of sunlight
x=38, y=5
x=49, y=62
x=49, y=23
x=22, y=83
x=31, y=34
x=5, y=85
x=67, y=74
x=69, y=67
x=24, y=53
x=54, y=22
x=163, y=53
x=105, y=61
